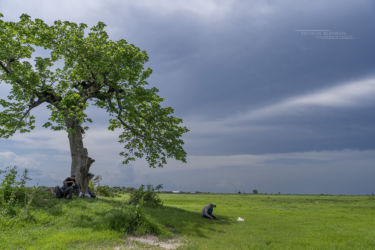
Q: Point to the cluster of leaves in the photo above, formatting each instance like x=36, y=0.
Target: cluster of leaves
x=84, y=67
x=146, y=195
x=13, y=190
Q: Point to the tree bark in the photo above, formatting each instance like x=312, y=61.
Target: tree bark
x=81, y=162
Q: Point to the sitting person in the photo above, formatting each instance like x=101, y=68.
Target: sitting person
x=69, y=186
x=207, y=211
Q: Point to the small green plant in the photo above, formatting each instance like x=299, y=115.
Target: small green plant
x=95, y=182
x=13, y=190
x=105, y=190
x=148, y=196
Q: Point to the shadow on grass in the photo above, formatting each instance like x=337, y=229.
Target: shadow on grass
x=180, y=221
x=170, y=219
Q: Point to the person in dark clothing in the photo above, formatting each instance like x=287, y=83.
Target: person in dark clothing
x=69, y=186
x=207, y=211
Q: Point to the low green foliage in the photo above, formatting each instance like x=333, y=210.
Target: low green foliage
x=147, y=197
x=13, y=191
x=104, y=191
x=132, y=220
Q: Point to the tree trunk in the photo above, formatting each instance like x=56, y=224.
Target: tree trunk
x=81, y=162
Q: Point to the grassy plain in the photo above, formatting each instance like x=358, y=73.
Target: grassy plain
x=271, y=222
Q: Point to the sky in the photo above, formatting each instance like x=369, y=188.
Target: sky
x=278, y=95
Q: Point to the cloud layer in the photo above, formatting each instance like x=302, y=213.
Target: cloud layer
x=268, y=107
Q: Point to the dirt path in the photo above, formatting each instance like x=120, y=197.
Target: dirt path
x=150, y=241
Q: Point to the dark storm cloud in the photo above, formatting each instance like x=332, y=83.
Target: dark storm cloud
x=248, y=57
x=254, y=57
x=323, y=130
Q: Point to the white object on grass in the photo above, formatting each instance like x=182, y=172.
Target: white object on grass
x=240, y=219
x=82, y=195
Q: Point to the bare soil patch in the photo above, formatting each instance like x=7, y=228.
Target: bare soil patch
x=152, y=242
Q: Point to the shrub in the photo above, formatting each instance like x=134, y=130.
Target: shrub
x=147, y=197
x=13, y=189
x=104, y=191
x=132, y=220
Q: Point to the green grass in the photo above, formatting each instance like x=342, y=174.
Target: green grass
x=279, y=222
x=271, y=222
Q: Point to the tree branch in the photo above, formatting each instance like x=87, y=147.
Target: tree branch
x=4, y=68
x=32, y=104
x=123, y=122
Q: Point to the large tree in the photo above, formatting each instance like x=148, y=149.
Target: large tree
x=82, y=67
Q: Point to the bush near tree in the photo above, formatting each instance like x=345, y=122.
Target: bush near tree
x=146, y=195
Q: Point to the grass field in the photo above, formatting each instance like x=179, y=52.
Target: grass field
x=271, y=222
